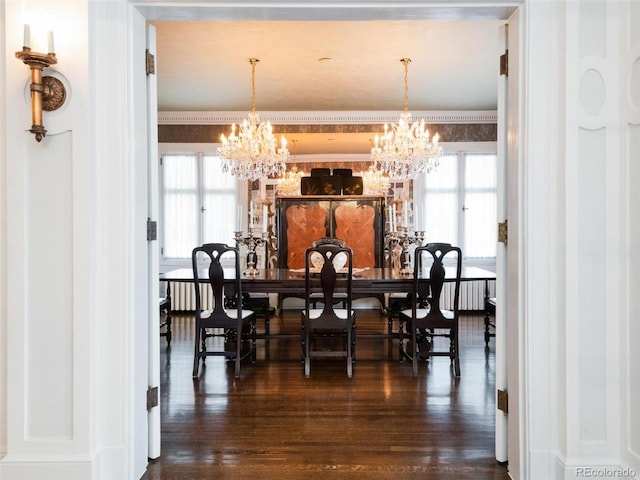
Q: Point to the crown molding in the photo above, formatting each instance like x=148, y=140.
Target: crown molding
x=326, y=118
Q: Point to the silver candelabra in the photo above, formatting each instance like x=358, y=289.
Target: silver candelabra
x=252, y=242
x=402, y=239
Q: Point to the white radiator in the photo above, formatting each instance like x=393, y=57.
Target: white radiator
x=471, y=294
x=183, y=296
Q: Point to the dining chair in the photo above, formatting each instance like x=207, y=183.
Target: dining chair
x=338, y=297
x=329, y=272
x=235, y=326
x=489, y=319
x=165, y=309
x=424, y=323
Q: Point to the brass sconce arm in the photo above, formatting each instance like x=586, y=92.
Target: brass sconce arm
x=47, y=93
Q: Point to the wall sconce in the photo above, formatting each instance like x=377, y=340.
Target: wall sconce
x=47, y=93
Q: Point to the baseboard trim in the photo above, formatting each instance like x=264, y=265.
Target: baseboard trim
x=108, y=464
x=586, y=468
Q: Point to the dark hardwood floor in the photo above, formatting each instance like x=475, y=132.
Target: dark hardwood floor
x=273, y=423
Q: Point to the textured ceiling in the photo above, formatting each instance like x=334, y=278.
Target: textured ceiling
x=204, y=65
x=327, y=66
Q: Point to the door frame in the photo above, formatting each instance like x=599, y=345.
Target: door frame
x=395, y=11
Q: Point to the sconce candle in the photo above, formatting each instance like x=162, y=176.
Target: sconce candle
x=50, y=42
x=26, y=43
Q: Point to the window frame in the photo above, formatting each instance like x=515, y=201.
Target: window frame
x=462, y=150
x=199, y=149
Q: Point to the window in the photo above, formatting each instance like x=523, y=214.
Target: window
x=199, y=203
x=460, y=203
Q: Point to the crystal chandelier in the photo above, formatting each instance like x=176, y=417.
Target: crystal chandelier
x=405, y=149
x=375, y=182
x=252, y=153
x=289, y=184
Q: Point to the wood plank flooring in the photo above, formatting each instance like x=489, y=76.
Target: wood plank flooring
x=273, y=423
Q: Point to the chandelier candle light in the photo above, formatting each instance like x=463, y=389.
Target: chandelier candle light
x=405, y=149
x=252, y=153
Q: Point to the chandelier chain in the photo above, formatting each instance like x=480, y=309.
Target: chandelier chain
x=405, y=149
x=253, y=62
x=406, y=62
x=252, y=153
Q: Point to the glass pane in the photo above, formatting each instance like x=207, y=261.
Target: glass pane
x=441, y=218
x=180, y=172
x=219, y=201
x=445, y=176
x=481, y=171
x=480, y=206
x=213, y=177
x=441, y=202
x=180, y=207
x=180, y=224
x=480, y=225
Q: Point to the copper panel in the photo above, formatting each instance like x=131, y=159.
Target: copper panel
x=355, y=225
x=305, y=223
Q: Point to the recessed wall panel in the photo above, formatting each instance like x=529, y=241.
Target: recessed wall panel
x=590, y=278
x=49, y=290
x=593, y=31
x=633, y=22
x=633, y=359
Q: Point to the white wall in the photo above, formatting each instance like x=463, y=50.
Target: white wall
x=67, y=350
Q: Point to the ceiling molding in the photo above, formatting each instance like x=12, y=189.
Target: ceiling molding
x=325, y=118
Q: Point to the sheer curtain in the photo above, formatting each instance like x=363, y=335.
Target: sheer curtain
x=179, y=192
x=459, y=203
x=220, y=202
x=480, y=206
x=441, y=202
x=198, y=201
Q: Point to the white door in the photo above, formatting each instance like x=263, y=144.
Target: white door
x=510, y=308
x=507, y=327
x=501, y=266
x=153, y=250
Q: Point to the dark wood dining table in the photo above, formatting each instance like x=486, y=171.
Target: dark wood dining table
x=372, y=282
x=291, y=282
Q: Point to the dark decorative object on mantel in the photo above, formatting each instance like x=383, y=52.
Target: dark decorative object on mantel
x=321, y=182
x=343, y=172
x=352, y=186
x=320, y=172
x=325, y=185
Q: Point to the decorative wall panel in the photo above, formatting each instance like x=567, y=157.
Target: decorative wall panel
x=633, y=359
x=49, y=288
x=591, y=308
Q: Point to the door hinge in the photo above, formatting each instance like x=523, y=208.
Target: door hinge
x=152, y=230
x=504, y=63
x=503, y=232
x=150, y=63
x=152, y=397
x=503, y=401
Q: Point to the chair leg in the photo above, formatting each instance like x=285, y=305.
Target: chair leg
x=307, y=360
x=349, y=350
x=456, y=360
x=168, y=325
x=414, y=350
x=401, y=335
x=196, y=354
x=254, y=355
x=238, y=350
